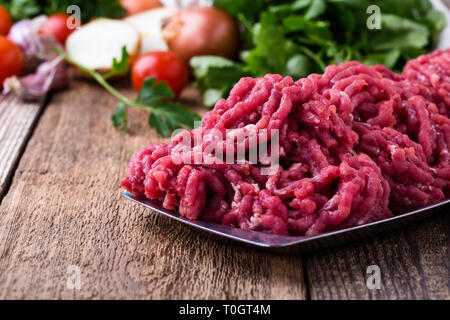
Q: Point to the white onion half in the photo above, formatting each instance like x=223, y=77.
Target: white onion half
x=149, y=26
x=97, y=43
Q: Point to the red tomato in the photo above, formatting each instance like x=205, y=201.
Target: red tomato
x=56, y=25
x=5, y=21
x=164, y=66
x=11, y=59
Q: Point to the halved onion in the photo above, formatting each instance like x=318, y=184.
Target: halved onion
x=97, y=43
x=149, y=26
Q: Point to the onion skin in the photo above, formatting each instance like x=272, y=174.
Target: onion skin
x=202, y=31
x=85, y=48
x=49, y=75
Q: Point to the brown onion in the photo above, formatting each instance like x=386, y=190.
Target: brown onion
x=202, y=31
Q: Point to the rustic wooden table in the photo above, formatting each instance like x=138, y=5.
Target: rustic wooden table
x=61, y=164
x=61, y=206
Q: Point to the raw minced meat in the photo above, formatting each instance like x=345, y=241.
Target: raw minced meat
x=357, y=144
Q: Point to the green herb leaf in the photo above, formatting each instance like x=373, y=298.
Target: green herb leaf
x=119, y=67
x=154, y=97
x=298, y=66
x=89, y=8
x=119, y=117
x=159, y=123
x=177, y=116
x=435, y=20
x=388, y=59
x=166, y=115
x=398, y=33
x=268, y=35
x=24, y=9
x=215, y=76
x=211, y=96
x=298, y=37
x=153, y=93
x=316, y=9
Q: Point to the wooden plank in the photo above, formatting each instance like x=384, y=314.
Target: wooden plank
x=414, y=263
x=64, y=208
x=16, y=122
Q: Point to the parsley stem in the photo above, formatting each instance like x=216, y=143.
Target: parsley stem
x=102, y=81
x=165, y=115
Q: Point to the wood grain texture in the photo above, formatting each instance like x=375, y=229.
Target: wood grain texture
x=414, y=264
x=64, y=208
x=17, y=120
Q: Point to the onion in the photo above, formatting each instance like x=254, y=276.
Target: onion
x=25, y=34
x=35, y=48
x=202, y=31
x=44, y=68
x=149, y=26
x=49, y=75
x=98, y=42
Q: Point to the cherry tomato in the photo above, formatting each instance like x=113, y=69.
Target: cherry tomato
x=11, y=59
x=5, y=21
x=165, y=66
x=56, y=25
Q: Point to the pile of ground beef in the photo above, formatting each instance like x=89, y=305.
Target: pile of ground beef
x=357, y=144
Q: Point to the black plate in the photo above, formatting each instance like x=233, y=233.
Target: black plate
x=292, y=244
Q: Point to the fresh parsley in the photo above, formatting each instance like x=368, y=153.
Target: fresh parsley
x=119, y=117
x=215, y=76
x=24, y=9
x=119, y=67
x=155, y=97
x=299, y=37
